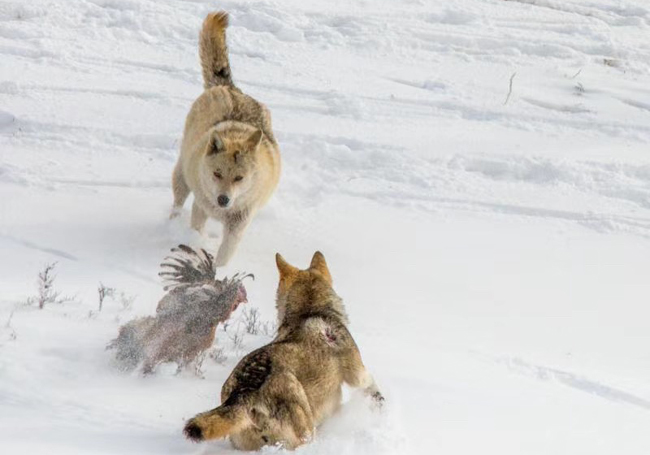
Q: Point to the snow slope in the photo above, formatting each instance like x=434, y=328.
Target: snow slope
x=493, y=255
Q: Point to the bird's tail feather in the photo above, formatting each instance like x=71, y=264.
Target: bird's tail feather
x=186, y=266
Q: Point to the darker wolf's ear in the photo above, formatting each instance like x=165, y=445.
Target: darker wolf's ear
x=283, y=266
x=254, y=140
x=319, y=265
x=216, y=145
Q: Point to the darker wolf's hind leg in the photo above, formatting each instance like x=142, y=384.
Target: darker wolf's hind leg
x=180, y=189
x=292, y=412
x=302, y=423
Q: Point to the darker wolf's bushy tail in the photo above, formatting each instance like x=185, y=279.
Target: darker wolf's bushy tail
x=213, y=50
x=217, y=423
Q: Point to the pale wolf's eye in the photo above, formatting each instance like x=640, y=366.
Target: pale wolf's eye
x=239, y=178
x=218, y=175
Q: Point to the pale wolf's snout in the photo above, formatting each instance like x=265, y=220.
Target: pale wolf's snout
x=223, y=201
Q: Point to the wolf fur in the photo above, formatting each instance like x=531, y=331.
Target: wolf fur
x=279, y=394
x=186, y=318
x=229, y=157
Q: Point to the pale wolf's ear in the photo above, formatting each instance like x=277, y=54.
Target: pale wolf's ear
x=254, y=140
x=284, y=267
x=318, y=264
x=215, y=145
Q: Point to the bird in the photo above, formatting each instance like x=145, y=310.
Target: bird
x=187, y=316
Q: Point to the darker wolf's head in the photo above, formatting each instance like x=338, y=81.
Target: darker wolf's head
x=309, y=290
x=230, y=165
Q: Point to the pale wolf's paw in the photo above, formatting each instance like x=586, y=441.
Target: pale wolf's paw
x=175, y=213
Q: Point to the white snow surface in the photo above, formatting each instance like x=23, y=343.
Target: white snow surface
x=494, y=257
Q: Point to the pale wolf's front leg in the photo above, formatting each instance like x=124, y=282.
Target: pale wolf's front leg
x=233, y=229
x=199, y=217
x=180, y=190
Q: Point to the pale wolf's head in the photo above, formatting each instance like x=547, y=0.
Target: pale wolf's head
x=230, y=169
x=309, y=290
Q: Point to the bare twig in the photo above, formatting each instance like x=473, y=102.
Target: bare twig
x=217, y=355
x=510, y=89
x=577, y=74
x=237, y=340
x=12, y=334
x=268, y=328
x=11, y=315
x=46, y=293
x=104, y=292
x=251, y=317
x=579, y=89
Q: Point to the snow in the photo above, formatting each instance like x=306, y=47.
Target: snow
x=493, y=257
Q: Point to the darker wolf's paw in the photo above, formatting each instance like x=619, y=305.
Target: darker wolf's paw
x=193, y=432
x=378, y=399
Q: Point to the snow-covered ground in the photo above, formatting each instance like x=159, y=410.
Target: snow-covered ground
x=494, y=256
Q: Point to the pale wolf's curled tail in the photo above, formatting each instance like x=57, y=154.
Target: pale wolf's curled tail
x=216, y=424
x=213, y=50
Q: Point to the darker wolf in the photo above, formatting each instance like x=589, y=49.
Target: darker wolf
x=279, y=394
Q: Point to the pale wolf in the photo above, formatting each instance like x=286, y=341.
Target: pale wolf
x=278, y=394
x=229, y=157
